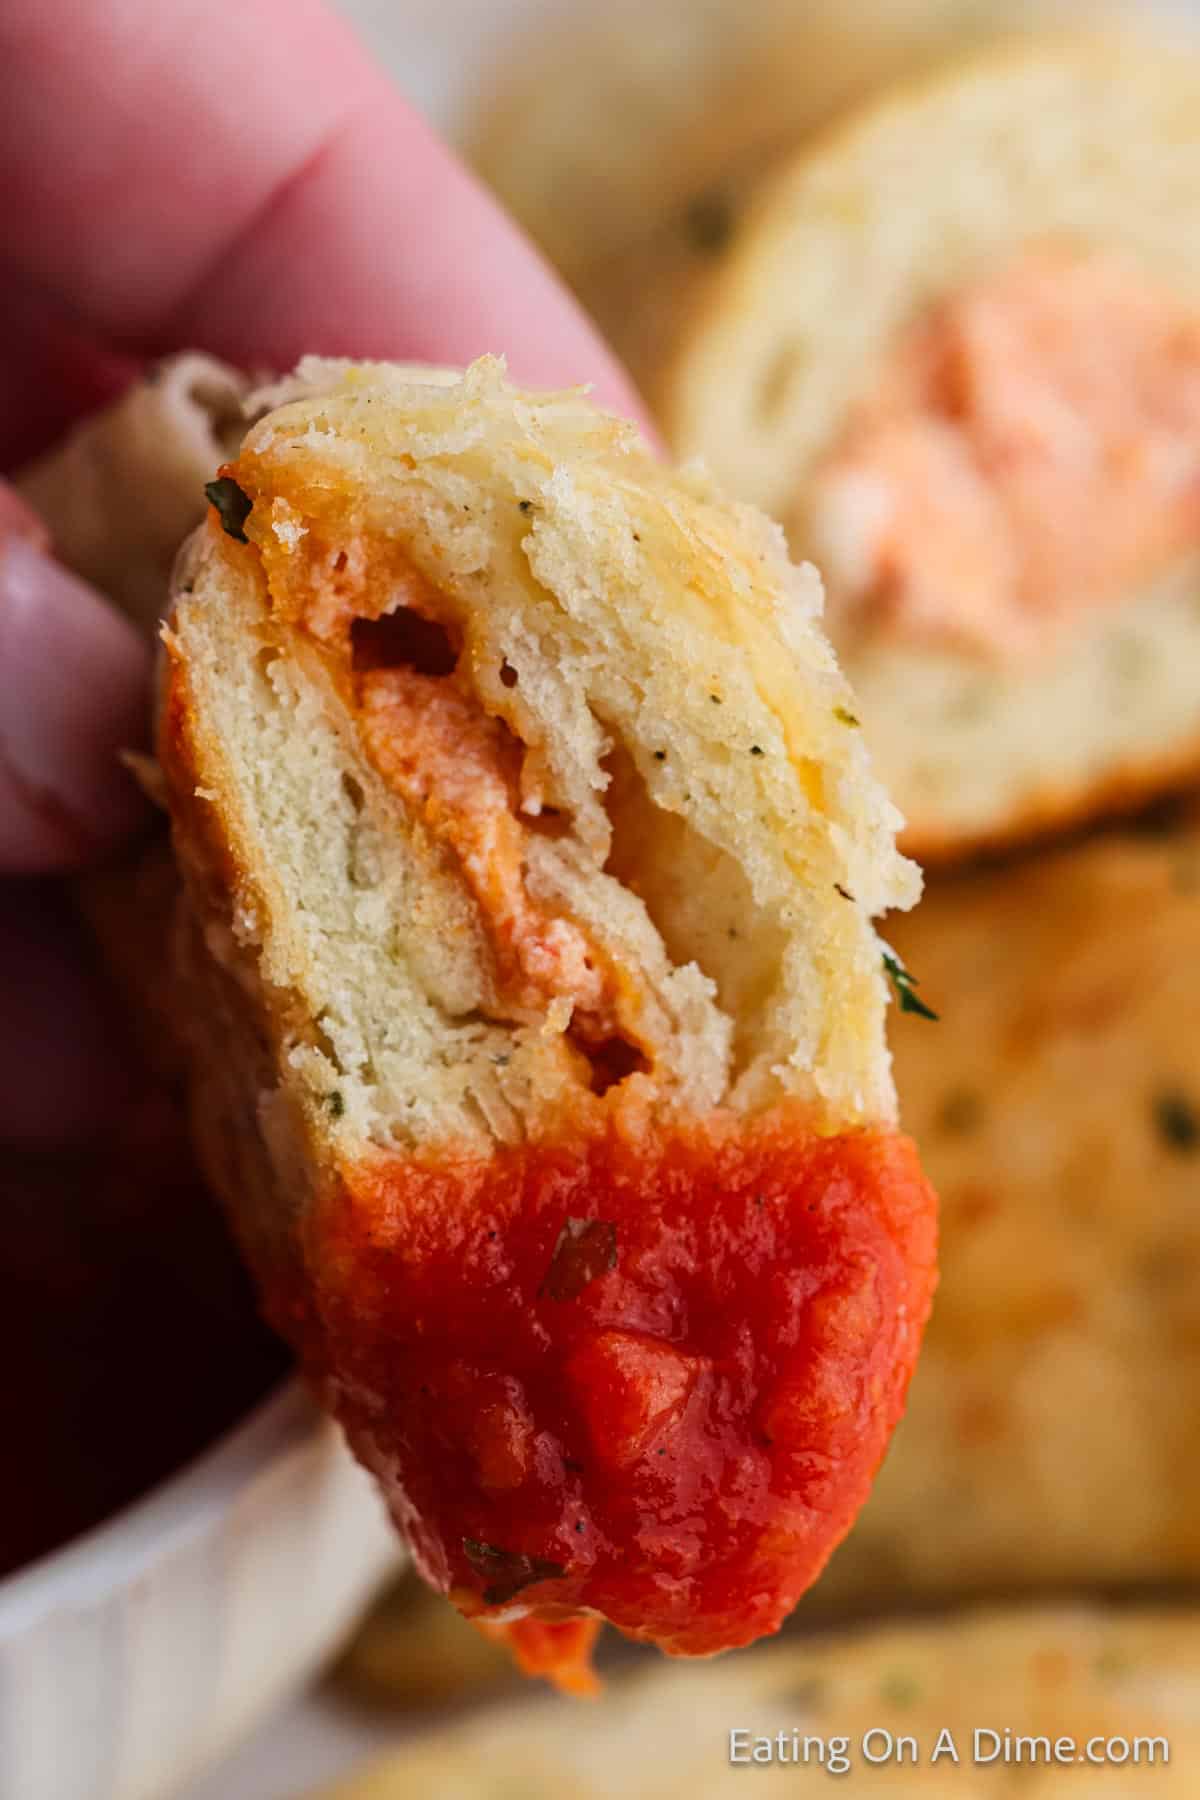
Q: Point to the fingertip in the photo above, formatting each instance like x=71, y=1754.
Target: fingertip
x=423, y=262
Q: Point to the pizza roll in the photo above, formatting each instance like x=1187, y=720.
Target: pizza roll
x=536, y=1017
x=957, y=351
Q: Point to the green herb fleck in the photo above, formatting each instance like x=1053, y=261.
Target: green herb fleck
x=585, y=1249
x=507, y=1571
x=844, y=716
x=904, y=986
x=335, y=1103
x=233, y=506
x=1177, y=1121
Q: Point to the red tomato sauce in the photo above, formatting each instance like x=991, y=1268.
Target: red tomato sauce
x=558, y=1649
x=649, y=1376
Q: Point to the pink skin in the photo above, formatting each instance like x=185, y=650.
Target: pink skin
x=249, y=183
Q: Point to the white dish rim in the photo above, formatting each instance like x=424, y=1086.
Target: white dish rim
x=115, y=1553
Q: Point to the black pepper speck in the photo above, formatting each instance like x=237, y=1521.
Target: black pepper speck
x=1178, y=1122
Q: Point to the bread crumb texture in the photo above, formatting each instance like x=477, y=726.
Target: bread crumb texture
x=514, y=773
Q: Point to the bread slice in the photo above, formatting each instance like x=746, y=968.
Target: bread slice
x=535, y=1011
x=1057, y=1105
x=893, y=1707
x=1085, y=149
x=630, y=141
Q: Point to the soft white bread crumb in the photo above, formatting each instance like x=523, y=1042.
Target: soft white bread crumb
x=720, y=838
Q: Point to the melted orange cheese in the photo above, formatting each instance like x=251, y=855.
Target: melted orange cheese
x=1031, y=452
x=459, y=772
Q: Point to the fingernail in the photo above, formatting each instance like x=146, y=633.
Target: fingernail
x=73, y=694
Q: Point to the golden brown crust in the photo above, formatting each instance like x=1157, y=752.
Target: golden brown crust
x=1058, y=812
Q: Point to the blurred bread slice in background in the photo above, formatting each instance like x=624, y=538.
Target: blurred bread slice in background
x=956, y=349
x=664, y=1733
x=412, y=1651
x=1052, y=1437
x=629, y=140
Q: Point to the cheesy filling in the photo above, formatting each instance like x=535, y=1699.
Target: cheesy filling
x=1030, y=454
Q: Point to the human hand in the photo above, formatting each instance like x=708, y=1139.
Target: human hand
x=254, y=187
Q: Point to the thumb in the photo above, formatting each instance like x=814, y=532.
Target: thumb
x=73, y=677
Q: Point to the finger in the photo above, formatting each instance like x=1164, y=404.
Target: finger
x=73, y=678
x=137, y=141
x=50, y=373
x=254, y=185
x=18, y=520
x=418, y=262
